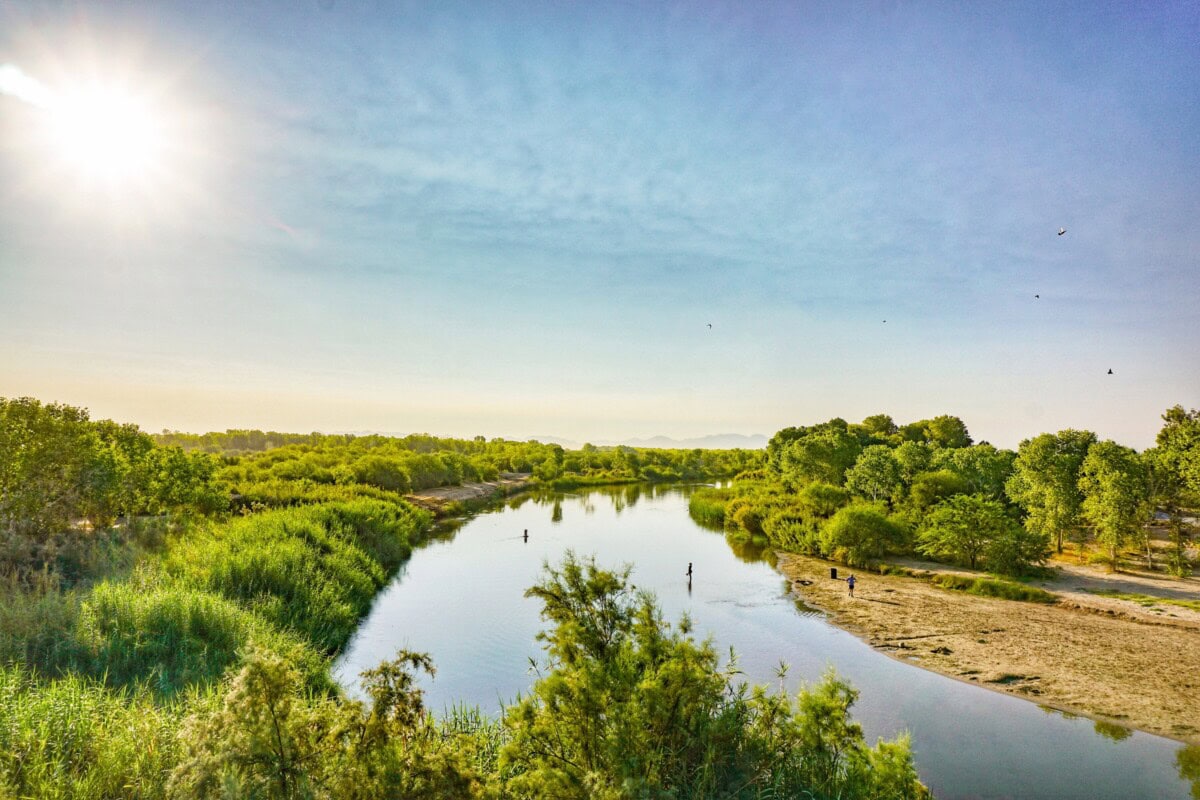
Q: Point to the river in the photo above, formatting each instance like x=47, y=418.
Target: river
x=460, y=598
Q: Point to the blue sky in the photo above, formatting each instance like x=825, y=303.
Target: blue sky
x=519, y=219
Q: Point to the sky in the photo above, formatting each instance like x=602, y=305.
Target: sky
x=520, y=219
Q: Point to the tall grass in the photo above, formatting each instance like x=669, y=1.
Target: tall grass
x=74, y=738
x=313, y=570
x=707, y=506
x=990, y=587
x=170, y=637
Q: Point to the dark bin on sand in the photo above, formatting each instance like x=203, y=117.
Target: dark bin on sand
x=833, y=573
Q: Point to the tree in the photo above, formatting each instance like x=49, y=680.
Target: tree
x=859, y=533
x=985, y=468
x=879, y=425
x=947, y=431
x=931, y=488
x=48, y=458
x=821, y=500
x=875, y=475
x=1045, y=481
x=913, y=458
x=941, y=431
x=1179, y=441
x=266, y=736
x=1116, y=494
x=822, y=453
x=628, y=706
x=960, y=528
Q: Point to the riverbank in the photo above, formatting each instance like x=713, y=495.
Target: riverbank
x=1112, y=659
x=449, y=499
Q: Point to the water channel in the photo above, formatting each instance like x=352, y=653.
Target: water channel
x=460, y=598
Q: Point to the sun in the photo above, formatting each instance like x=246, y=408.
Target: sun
x=105, y=134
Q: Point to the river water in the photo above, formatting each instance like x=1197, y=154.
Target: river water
x=460, y=598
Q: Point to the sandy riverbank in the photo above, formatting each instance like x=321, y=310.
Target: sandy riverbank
x=437, y=499
x=1098, y=656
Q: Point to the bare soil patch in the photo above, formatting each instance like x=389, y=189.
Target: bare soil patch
x=1099, y=656
x=438, y=498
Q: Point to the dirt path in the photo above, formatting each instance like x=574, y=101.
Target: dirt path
x=437, y=498
x=1099, y=656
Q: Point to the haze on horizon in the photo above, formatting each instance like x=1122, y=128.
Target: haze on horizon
x=519, y=219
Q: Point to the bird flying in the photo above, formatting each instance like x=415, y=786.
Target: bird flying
x=1061, y=231
x=1037, y=297
x=710, y=326
x=1110, y=372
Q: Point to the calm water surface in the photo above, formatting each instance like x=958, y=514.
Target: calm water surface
x=460, y=598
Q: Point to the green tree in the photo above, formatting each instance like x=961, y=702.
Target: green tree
x=960, y=528
x=1045, y=481
x=968, y=529
x=859, y=533
x=879, y=425
x=821, y=500
x=984, y=468
x=629, y=707
x=48, y=457
x=1116, y=495
x=268, y=737
x=941, y=431
x=875, y=475
x=822, y=453
x=930, y=488
x=913, y=458
x=1179, y=441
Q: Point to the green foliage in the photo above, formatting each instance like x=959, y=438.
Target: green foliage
x=968, y=529
x=1045, y=481
x=314, y=469
x=629, y=707
x=75, y=738
x=312, y=569
x=988, y=587
x=876, y=475
x=984, y=468
x=707, y=506
x=1179, y=439
x=931, y=488
x=860, y=533
x=1116, y=494
x=57, y=468
x=171, y=638
x=268, y=738
x=822, y=500
x=821, y=453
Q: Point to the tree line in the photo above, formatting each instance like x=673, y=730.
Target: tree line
x=858, y=492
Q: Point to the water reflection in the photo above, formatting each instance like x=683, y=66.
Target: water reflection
x=1112, y=731
x=1187, y=761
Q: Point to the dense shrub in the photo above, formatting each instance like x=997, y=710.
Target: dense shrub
x=860, y=533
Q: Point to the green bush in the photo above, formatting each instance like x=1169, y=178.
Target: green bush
x=860, y=533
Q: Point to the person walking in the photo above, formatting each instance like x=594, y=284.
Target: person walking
x=689, y=572
x=850, y=582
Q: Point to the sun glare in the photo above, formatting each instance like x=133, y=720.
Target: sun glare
x=105, y=134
